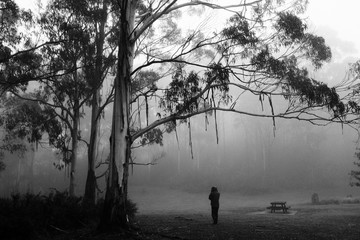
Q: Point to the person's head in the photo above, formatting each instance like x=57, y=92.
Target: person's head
x=214, y=189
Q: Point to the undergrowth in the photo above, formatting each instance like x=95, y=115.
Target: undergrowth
x=31, y=216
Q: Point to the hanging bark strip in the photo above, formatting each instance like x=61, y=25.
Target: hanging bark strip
x=206, y=117
x=147, y=110
x=190, y=141
x=215, y=117
x=139, y=112
x=177, y=138
x=216, y=128
x=261, y=101
x=272, y=112
x=206, y=121
x=178, y=150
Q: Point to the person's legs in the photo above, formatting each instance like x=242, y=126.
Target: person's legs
x=214, y=214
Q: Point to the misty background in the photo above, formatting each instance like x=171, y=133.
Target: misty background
x=252, y=159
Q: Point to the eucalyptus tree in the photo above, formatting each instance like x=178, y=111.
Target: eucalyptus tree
x=75, y=59
x=18, y=64
x=261, y=51
x=22, y=62
x=65, y=91
x=74, y=71
x=98, y=59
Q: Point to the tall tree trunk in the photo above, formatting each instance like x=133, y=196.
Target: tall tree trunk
x=95, y=82
x=90, y=187
x=74, y=147
x=74, y=136
x=114, y=212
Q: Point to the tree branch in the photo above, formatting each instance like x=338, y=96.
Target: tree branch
x=295, y=115
x=150, y=20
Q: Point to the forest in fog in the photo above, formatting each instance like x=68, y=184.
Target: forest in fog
x=251, y=157
x=111, y=107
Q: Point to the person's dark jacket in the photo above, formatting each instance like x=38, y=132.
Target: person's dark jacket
x=214, y=198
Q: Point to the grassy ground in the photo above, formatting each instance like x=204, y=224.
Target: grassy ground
x=309, y=222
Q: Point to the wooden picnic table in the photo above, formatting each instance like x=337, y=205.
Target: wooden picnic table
x=278, y=206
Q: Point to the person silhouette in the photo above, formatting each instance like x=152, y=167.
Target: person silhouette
x=214, y=198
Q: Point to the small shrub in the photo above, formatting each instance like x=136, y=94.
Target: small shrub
x=329, y=201
x=131, y=208
x=350, y=200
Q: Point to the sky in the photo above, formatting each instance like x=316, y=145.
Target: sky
x=333, y=19
x=337, y=20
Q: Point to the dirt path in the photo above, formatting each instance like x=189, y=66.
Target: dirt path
x=308, y=222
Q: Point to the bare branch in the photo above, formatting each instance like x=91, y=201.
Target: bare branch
x=150, y=20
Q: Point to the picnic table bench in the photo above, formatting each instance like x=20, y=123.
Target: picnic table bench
x=278, y=206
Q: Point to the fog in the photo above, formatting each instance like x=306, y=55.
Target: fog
x=251, y=164
x=250, y=160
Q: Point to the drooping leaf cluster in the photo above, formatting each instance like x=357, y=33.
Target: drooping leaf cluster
x=180, y=96
x=292, y=27
x=317, y=52
x=144, y=80
x=188, y=92
x=295, y=80
x=154, y=136
x=239, y=31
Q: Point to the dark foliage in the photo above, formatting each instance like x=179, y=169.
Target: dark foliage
x=297, y=80
x=187, y=91
x=291, y=26
x=145, y=80
x=239, y=31
x=180, y=96
x=153, y=136
x=317, y=50
x=32, y=216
